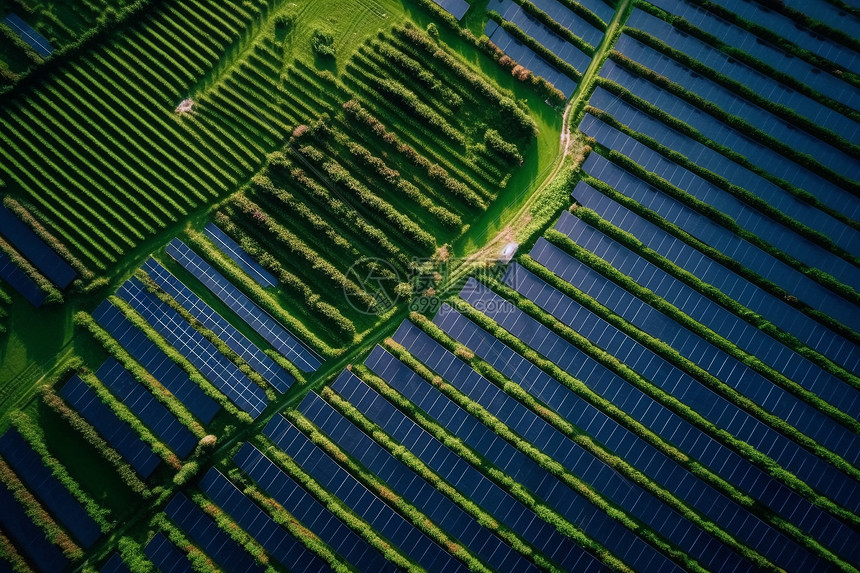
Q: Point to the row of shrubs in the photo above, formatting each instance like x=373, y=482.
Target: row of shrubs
x=256, y=293
x=747, y=93
x=52, y=294
x=412, y=68
x=563, y=474
x=684, y=128
x=741, y=193
x=734, y=122
x=694, y=466
x=11, y=555
x=414, y=463
x=558, y=28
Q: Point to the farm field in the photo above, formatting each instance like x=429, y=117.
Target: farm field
x=371, y=285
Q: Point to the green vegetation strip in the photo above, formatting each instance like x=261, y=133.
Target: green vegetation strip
x=9, y=552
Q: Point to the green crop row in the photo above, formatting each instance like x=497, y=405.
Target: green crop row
x=417, y=71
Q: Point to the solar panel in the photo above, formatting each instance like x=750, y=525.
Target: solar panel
x=238, y=255
x=202, y=354
x=464, y=477
x=33, y=38
x=456, y=8
x=274, y=539
x=282, y=340
x=144, y=405
x=206, y=534
x=644, y=457
x=115, y=431
x=772, y=308
x=445, y=513
x=28, y=538
x=238, y=342
x=310, y=512
x=27, y=464
x=115, y=565
x=528, y=59
x=363, y=502
x=35, y=250
x=145, y=352
x=166, y=556
x=18, y=280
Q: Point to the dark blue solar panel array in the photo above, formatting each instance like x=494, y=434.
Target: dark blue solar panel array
x=724, y=64
x=166, y=556
x=720, y=238
x=709, y=90
x=832, y=15
x=643, y=408
x=35, y=250
x=702, y=309
x=735, y=36
x=456, y=8
x=489, y=548
x=611, y=534
x=156, y=362
x=760, y=155
x=770, y=307
x=238, y=342
x=144, y=405
x=27, y=464
x=203, y=531
x=115, y=565
x=464, y=477
x=18, y=280
x=27, y=537
x=559, y=12
x=216, y=367
x=788, y=28
x=235, y=251
x=363, y=502
x=284, y=342
x=117, y=432
x=256, y=522
x=843, y=235
x=528, y=59
x=657, y=466
x=695, y=348
x=310, y=512
x=35, y=40
x=546, y=37
x=747, y=217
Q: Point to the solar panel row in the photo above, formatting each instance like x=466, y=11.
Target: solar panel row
x=827, y=155
x=644, y=457
x=27, y=464
x=203, y=531
x=705, y=311
x=799, y=35
x=489, y=548
x=283, y=341
x=256, y=522
x=772, y=308
x=831, y=14
x=724, y=64
x=33, y=38
x=362, y=501
x=571, y=20
x=843, y=235
x=747, y=217
x=310, y=512
x=166, y=556
x=760, y=155
x=700, y=398
x=115, y=431
x=18, y=280
x=27, y=537
x=238, y=255
x=802, y=71
x=456, y=8
x=211, y=363
x=49, y=263
x=115, y=565
x=632, y=499
x=464, y=477
x=720, y=238
x=238, y=342
x=144, y=405
x=531, y=26
x=148, y=355
x=524, y=56
x=658, y=418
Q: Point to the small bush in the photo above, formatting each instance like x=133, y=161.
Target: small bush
x=322, y=44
